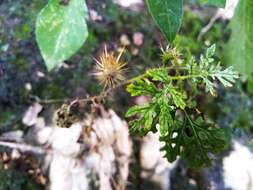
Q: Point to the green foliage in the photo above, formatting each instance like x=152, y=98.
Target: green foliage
x=195, y=139
x=238, y=52
x=207, y=71
x=61, y=30
x=168, y=15
x=218, y=3
x=16, y=180
x=250, y=84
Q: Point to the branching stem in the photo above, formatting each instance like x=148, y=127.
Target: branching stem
x=105, y=92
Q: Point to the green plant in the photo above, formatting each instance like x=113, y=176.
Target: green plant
x=238, y=52
x=172, y=109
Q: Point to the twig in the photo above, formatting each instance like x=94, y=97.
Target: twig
x=33, y=149
x=209, y=25
x=26, y=148
x=104, y=93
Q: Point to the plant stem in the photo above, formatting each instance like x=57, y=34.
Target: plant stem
x=144, y=75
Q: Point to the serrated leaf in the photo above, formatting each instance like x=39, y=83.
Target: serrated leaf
x=165, y=119
x=136, y=109
x=158, y=75
x=178, y=98
x=209, y=86
x=238, y=52
x=193, y=142
x=167, y=15
x=148, y=119
x=207, y=71
x=145, y=122
x=210, y=51
x=135, y=125
x=61, y=30
x=142, y=88
x=226, y=77
x=218, y=3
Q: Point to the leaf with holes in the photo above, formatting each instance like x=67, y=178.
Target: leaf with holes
x=194, y=142
x=61, y=30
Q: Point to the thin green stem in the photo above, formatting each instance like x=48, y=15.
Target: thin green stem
x=182, y=77
x=144, y=75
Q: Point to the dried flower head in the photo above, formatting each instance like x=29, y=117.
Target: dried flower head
x=109, y=69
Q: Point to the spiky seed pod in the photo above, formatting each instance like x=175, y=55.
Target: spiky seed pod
x=109, y=69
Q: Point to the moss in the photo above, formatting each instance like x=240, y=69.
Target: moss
x=53, y=91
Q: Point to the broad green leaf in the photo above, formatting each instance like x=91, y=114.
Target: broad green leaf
x=218, y=3
x=168, y=15
x=250, y=84
x=61, y=30
x=239, y=51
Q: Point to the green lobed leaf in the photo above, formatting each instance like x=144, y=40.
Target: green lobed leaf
x=178, y=98
x=61, y=30
x=207, y=71
x=226, y=77
x=147, y=118
x=159, y=75
x=193, y=141
x=210, y=51
x=143, y=87
x=238, y=52
x=137, y=109
x=218, y=3
x=167, y=15
x=165, y=119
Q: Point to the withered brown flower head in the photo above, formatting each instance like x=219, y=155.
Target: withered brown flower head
x=109, y=69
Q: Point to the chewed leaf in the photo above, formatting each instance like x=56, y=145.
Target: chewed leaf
x=194, y=142
x=61, y=30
